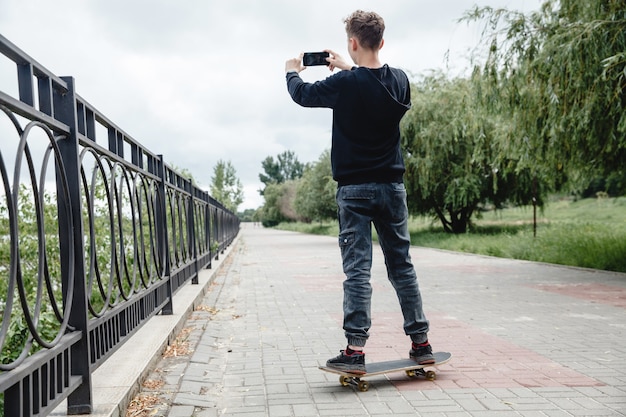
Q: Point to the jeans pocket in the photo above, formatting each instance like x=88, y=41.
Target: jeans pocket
x=398, y=207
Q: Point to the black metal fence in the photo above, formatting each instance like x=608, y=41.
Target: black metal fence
x=96, y=235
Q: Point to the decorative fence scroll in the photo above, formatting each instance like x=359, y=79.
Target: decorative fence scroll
x=96, y=235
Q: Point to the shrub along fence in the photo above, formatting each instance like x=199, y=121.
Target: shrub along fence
x=96, y=235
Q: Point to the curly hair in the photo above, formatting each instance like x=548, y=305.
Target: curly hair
x=367, y=27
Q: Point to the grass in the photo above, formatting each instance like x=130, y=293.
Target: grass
x=588, y=233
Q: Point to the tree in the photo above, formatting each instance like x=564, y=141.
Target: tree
x=279, y=178
x=562, y=74
x=286, y=167
x=225, y=186
x=248, y=215
x=315, y=194
x=35, y=216
x=452, y=154
x=278, y=205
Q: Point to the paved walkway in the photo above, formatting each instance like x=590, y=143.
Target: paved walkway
x=527, y=339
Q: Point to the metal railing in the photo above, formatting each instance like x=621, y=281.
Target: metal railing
x=96, y=235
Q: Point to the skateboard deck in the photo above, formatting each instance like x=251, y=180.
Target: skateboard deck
x=409, y=366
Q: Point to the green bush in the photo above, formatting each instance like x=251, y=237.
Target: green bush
x=589, y=233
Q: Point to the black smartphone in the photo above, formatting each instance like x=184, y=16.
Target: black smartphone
x=311, y=59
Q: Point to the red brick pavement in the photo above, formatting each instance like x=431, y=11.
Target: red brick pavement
x=479, y=359
x=595, y=292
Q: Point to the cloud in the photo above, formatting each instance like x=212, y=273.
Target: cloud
x=203, y=80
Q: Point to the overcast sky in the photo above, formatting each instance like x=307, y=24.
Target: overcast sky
x=203, y=80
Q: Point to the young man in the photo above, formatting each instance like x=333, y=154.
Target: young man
x=368, y=101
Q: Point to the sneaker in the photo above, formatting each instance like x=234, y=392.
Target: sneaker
x=422, y=353
x=353, y=363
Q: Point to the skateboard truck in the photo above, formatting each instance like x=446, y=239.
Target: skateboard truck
x=363, y=385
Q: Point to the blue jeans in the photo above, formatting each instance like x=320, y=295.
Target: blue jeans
x=385, y=206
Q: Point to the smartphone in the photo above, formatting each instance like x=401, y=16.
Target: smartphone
x=315, y=58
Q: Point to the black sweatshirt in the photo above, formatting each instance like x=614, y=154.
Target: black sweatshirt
x=367, y=107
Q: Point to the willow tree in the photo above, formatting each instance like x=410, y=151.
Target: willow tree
x=453, y=155
x=560, y=73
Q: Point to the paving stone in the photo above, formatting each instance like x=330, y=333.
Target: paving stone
x=273, y=314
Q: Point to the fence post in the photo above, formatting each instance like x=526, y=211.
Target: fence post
x=80, y=400
x=209, y=229
x=191, y=229
x=216, y=231
x=162, y=238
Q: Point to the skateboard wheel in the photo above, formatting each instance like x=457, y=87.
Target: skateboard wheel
x=410, y=373
x=364, y=386
x=431, y=375
x=344, y=380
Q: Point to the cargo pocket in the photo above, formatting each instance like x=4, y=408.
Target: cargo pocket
x=346, y=244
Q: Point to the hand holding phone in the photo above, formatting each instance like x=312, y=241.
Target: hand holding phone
x=310, y=59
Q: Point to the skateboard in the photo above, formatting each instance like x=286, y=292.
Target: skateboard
x=409, y=366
